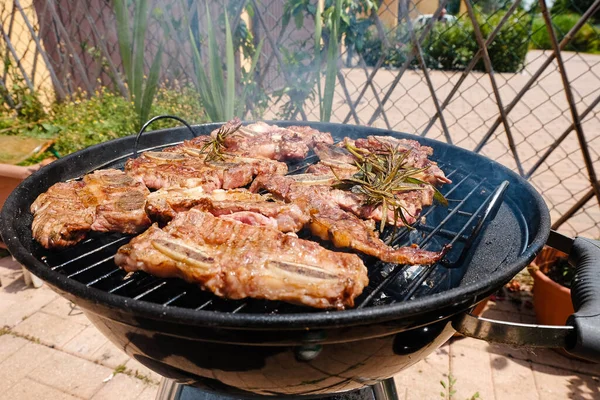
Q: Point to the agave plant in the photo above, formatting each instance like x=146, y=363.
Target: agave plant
x=217, y=89
x=132, y=49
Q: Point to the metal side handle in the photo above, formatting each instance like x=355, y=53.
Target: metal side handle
x=581, y=335
x=512, y=333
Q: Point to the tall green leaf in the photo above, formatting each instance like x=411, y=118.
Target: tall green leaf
x=318, y=33
x=242, y=104
x=332, y=57
x=122, y=18
x=230, y=94
x=217, y=80
x=151, y=86
x=203, y=85
x=140, y=23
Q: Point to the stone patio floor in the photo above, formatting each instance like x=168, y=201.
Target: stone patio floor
x=49, y=350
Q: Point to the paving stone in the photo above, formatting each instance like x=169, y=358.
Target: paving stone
x=10, y=271
x=71, y=374
x=27, y=389
x=86, y=342
x=15, y=367
x=149, y=393
x=110, y=355
x=422, y=380
x=513, y=378
x=554, y=383
x=49, y=329
x=18, y=301
x=139, y=369
x=10, y=344
x=63, y=308
x=121, y=387
x=470, y=366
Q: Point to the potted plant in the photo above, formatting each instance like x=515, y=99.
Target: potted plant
x=552, y=276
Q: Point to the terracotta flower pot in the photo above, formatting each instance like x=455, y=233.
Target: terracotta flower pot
x=12, y=175
x=551, y=301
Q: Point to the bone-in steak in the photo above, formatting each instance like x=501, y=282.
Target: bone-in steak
x=235, y=261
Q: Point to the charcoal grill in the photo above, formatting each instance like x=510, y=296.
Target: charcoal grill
x=495, y=221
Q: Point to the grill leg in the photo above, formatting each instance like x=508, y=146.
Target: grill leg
x=385, y=390
x=169, y=390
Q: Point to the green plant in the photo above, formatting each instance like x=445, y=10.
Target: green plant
x=303, y=69
x=132, y=50
x=85, y=120
x=449, y=390
x=453, y=46
x=587, y=39
x=17, y=99
x=217, y=90
x=560, y=271
x=326, y=95
x=574, y=7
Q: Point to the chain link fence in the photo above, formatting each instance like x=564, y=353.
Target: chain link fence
x=484, y=75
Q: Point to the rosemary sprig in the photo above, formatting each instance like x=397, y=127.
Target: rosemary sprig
x=214, y=147
x=381, y=177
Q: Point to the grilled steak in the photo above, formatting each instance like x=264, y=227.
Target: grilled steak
x=237, y=204
x=189, y=168
x=330, y=222
x=105, y=201
x=276, y=143
x=60, y=218
x=236, y=261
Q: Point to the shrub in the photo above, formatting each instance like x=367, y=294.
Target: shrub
x=451, y=47
x=81, y=121
x=585, y=40
x=509, y=49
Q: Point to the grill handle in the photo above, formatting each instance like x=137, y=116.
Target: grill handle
x=585, y=295
x=581, y=335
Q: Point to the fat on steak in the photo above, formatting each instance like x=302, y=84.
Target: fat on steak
x=105, y=201
x=236, y=261
x=344, y=229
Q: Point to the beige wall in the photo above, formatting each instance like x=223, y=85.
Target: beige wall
x=25, y=48
x=388, y=11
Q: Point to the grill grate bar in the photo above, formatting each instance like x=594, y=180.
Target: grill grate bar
x=177, y=297
x=138, y=297
x=89, y=253
x=240, y=308
x=414, y=285
x=454, y=211
x=125, y=283
x=205, y=304
x=93, y=282
x=90, y=267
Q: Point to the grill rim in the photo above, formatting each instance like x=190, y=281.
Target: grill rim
x=467, y=294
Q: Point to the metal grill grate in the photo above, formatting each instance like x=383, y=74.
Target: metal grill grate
x=472, y=200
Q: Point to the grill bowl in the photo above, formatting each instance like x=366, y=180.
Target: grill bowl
x=269, y=348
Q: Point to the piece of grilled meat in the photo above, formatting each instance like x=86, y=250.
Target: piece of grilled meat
x=261, y=140
x=235, y=204
x=344, y=229
x=189, y=168
x=417, y=157
x=105, y=201
x=235, y=261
